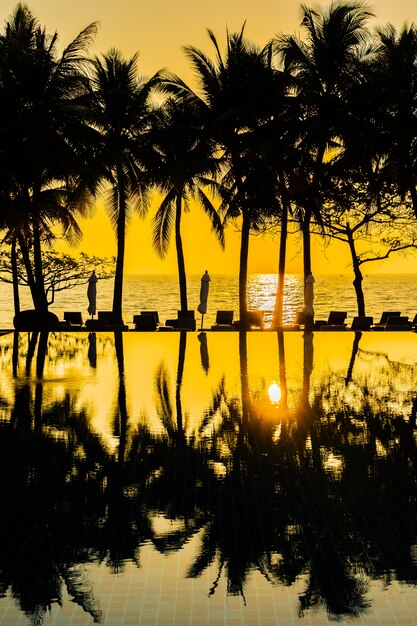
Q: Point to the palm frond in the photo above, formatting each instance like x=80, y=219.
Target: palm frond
x=163, y=223
x=77, y=49
x=111, y=204
x=216, y=223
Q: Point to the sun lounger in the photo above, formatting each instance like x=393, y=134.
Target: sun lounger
x=154, y=313
x=335, y=321
x=73, y=319
x=96, y=324
x=184, y=321
x=398, y=322
x=384, y=319
x=300, y=318
x=254, y=320
x=105, y=322
x=362, y=322
x=145, y=322
x=224, y=321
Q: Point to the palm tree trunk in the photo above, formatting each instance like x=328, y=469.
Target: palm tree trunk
x=305, y=227
x=244, y=380
x=180, y=255
x=41, y=303
x=120, y=235
x=122, y=403
x=279, y=301
x=243, y=270
x=28, y=267
x=15, y=277
x=178, y=386
x=282, y=371
x=357, y=282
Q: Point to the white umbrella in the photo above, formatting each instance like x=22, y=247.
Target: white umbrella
x=204, y=290
x=309, y=295
x=92, y=293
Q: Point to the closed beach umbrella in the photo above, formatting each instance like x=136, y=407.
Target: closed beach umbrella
x=309, y=295
x=204, y=291
x=205, y=361
x=92, y=293
x=92, y=349
x=308, y=353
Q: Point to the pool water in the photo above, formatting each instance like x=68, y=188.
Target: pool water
x=208, y=478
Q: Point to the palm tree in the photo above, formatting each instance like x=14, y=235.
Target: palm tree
x=325, y=69
x=120, y=103
x=184, y=167
x=395, y=83
x=237, y=91
x=43, y=139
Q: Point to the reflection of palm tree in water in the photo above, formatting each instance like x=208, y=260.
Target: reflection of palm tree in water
x=184, y=477
x=120, y=418
x=241, y=526
x=173, y=422
x=44, y=520
x=270, y=501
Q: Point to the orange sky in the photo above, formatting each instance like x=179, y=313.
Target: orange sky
x=157, y=30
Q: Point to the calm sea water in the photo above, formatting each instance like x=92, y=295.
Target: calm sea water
x=161, y=293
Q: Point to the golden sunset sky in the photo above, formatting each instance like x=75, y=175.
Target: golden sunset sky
x=158, y=29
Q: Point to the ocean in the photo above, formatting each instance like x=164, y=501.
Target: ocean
x=161, y=293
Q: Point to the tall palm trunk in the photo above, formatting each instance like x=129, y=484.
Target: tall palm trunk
x=279, y=300
x=306, y=222
x=15, y=277
x=244, y=381
x=243, y=270
x=178, y=386
x=41, y=304
x=305, y=228
x=180, y=255
x=35, y=276
x=120, y=234
x=122, y=403
x=28, y=267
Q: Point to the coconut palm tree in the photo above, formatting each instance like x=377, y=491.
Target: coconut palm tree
x=120, y=105
x=325, y=69
x=43, y=139
x=395, y=87
x=121, y=109
x=184, y=168
x=236, y=95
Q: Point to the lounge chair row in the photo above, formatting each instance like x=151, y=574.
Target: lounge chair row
x=185, y=320
x=390, y=320
x=149, y=321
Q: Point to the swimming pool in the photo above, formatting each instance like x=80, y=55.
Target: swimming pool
x=208, y=478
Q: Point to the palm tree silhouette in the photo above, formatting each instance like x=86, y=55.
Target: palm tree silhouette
x=325, y=70
x=184, y=167
x=44, y=151
x=121, y=109
x=393, y=86
x=235, y=99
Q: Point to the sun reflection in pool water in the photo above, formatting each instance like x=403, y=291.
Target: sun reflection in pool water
x=274, y=392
